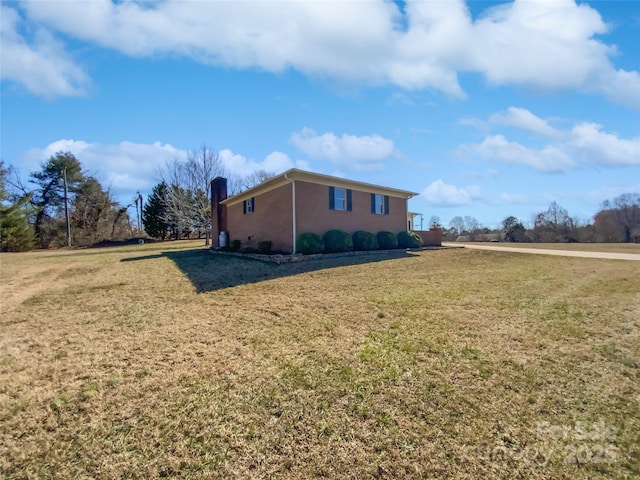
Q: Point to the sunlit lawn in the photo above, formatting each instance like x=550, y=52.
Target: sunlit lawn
x=165, y=360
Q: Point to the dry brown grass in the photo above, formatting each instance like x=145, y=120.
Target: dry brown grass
x=164, y=360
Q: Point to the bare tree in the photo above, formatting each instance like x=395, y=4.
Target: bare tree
x=238, y=183
x=554, y=225
x=625, y=213
x=471, y=225
x=189, y=181
x=457, y=224
x=188, y=206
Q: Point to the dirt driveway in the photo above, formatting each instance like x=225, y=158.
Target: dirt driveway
x=543, y=251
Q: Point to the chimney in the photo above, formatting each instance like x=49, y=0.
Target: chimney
x=218, y=212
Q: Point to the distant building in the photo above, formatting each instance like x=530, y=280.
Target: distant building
x=480, y=237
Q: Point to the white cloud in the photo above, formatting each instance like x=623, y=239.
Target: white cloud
x=442, y=194
x=601, y=148
x=550, y=45
x=125, y=167
x=584, y=144
x=129, y=167
x=39, y=64
x=275, y=162
x=548, y=159
x=525, y=120
x=474, y=122
x=542, y=45
x=514, y=198
x=621, y=87
x=364, y=153
x=610, y=191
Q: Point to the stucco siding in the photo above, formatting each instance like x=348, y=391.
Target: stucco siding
x=271, y=220
x=313, y=213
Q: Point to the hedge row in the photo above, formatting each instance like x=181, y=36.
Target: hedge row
x=340, y=241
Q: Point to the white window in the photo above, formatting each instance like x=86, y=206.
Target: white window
x=339, y=199
x=379, y=204
x=248, y=206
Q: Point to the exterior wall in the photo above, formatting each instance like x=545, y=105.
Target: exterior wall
x=271, y=220
x=313, y=213
x=431, y=238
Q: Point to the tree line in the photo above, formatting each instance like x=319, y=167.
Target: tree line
x=180, y=206
x=617, y=221
x=33, y=215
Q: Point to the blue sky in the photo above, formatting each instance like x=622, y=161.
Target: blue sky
x=487, y=109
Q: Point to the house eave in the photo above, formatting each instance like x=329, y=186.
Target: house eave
x=316, y=178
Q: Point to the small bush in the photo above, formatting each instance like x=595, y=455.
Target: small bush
x=337, y=241
x=387, y=240
x=409, y=240
x=235, y=245
x=309, y=243
x=265, y=246
x=364, y=241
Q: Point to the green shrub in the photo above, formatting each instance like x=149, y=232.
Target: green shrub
x=265, y=246
x=409, y=240
x=235, y=245
x=364, y=241
x=387, y=240
x=309, y=243
x=337, y=241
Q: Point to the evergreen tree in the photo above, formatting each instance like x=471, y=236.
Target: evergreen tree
x=94, y=215
x=513, y=230
x=15, y=232
x=154, y=212
x=48, y=198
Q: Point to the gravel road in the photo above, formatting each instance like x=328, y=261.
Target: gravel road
x=543, y=251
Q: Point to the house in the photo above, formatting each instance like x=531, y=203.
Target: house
x=296, y=202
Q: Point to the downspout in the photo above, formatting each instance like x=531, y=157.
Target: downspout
x=293, y=204
x=406, y=213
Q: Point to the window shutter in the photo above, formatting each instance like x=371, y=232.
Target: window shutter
x=332, y=193
x=386, y=204
x=253, y=204
x=373, y=203
x=244, y=207
x=348, y=200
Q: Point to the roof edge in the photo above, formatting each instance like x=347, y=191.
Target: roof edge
x=318, y=178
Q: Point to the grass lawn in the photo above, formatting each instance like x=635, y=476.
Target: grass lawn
x=164, y=360
x=573, y=247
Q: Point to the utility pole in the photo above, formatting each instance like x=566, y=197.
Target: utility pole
x=140, y=213
x=138, y=210
x=66, y=207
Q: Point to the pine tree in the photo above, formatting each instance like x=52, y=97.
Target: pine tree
x=15, y=232
x=93, y=213
x=48, y=198
x=154, y=212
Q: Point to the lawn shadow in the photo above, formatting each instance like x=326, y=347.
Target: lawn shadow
x=208, y=272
